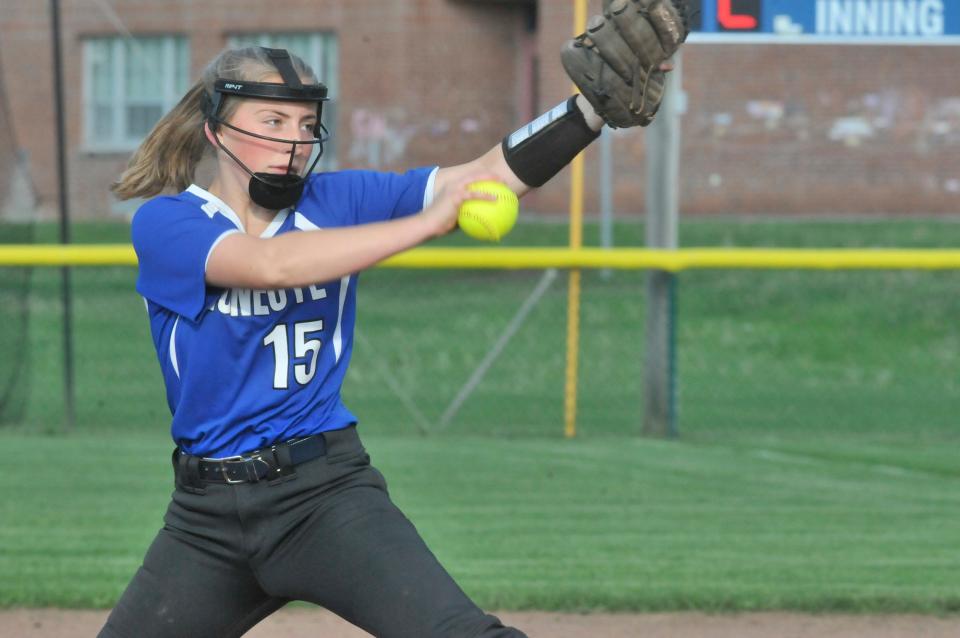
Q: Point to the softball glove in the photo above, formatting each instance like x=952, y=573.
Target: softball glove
x=616, y=63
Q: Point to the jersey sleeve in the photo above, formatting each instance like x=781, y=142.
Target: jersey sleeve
x=173, y=240
x=384, y=196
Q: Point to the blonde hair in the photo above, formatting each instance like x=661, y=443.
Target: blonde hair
x=169, y=155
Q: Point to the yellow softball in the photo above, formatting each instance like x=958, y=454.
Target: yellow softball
x=489, y=220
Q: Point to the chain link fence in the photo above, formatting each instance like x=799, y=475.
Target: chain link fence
x=16, y=227
x=795, y=354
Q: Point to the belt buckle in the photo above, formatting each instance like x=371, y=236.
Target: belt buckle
x=244, y=459
x=222, y=462
x=251, y=468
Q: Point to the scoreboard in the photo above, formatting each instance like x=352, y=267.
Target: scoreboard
x=827, y=21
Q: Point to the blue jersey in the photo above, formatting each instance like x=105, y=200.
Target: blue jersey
x=247, y=368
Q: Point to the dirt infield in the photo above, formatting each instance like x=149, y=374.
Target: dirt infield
x=305, y=623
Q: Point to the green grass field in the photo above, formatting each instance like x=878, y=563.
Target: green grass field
x=816, y=469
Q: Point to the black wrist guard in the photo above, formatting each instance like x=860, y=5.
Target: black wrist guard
x=538, y=151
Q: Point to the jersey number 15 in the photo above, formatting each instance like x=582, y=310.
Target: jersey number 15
x=303, y=348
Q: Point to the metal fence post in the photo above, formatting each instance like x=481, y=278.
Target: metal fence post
x=68, y=377
x=663, y=162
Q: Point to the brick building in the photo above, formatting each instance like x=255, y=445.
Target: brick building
x=768, y=128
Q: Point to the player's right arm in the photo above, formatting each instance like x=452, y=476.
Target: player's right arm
x=299, y=259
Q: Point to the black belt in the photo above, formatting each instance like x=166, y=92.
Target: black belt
x=265, y=464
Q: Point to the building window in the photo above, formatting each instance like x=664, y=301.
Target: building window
x=129, y=84
x=319, y=51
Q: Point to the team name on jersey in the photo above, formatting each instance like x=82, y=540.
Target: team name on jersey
x=244, y=302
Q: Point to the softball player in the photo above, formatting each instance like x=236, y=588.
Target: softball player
x=250, y=287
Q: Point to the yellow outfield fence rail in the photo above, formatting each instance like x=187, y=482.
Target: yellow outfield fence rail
x=539, y=258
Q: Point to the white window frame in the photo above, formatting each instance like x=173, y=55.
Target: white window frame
x=324, y=59
x=118, y=140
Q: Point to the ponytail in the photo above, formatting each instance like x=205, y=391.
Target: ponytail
x=169, y=155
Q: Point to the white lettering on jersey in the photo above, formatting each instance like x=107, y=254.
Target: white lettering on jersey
x=243, y=296
x=223, y=305
x=259, y=309
x=317, y=293
x=244, y=302
x=278, y=299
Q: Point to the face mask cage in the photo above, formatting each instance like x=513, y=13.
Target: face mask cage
x=320, y=137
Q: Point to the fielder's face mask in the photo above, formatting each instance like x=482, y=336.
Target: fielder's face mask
x=269, y=190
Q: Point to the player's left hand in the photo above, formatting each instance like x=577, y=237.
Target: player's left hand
x=619, y=63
